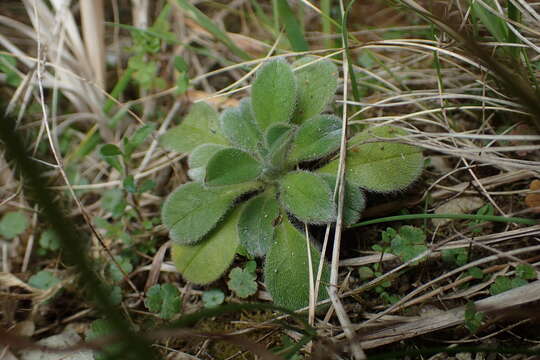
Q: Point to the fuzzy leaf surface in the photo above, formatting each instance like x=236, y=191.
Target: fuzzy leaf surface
x=317, y=137
x=231, y=166
x=273, y=94
x=255, y=228
x=198, y=159
x=238, y=125
x=192, y=210
x=207, y=261
x=380, y=166
x=354, y=203
x=286, y=269
x=200, y=126
x=308, y=197
x=317, y=84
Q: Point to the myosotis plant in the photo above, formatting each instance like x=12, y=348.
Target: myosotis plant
x=250, y=182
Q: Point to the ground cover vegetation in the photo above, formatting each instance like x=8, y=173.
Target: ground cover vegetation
x=269, y=179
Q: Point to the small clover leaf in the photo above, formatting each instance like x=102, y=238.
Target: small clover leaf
x=13, y=224
x=49, y=240
x=500, y=285
x=408, y=243
x=525, y=272
x=213, y=298
x=43, y=280
x=242, y=282
x=473, y=318
x=164, y=300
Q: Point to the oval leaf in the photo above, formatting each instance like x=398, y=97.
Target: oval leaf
x=198, y=159
x=317, y=137
x=231, y=166
x=308, y=197
x=256, y=228
x=380, y=166
x=208, y=260
x=273, y=94
x=192, y=210
x=317, y=84
x=239, y=127
x=200, y=126
x=286, y=269
x=354, y=203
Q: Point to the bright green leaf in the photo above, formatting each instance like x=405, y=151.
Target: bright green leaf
x=242, y=282
x=111, y=153
x=198, y=159
x=308, y=197
x=13, y=224
x=256, y=228
x=208, y=260
x=317, y=84
x=476, y=273
x=164, y=300
x=231, y=166
x=473, y=318
x=200, y=126
x=354, y=202
x=525, y=272
x=380, y=166
x=192, y=210
x=286, y=269
x=273, y=94
x=238, y=125
x=137, y=138
x=180, y=64
x=500, y=285
x=317, y=137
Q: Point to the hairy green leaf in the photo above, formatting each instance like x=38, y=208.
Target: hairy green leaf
x=317, y=137
x=354, y=203
x=200, y=126
x=198, y=159
x=286, y=269
x=273, y=94
x=208, y=260
x=308, y=197
x=256, y=228
x=192, y=210
x=231, y=166
x=238, y=125
x=380, y=166
x=317, y=84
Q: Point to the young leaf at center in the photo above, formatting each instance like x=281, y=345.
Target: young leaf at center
x=231, y=166
x=308, y=197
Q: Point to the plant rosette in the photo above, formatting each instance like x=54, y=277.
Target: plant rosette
x=249, y=183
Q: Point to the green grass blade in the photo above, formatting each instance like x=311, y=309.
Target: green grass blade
x=292, y=27
x=449, y=216
x=206, y=23
x=345, y=38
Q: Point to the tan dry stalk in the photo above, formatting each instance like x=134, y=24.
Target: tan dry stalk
x=93, y=31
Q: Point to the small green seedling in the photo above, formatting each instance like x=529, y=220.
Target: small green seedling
x=523, y=273
x=164, y=300
x=272, y=159
x=242, y=282
x=213, y=298
x=473, y=318
x=13, y=224
x=407, y=244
